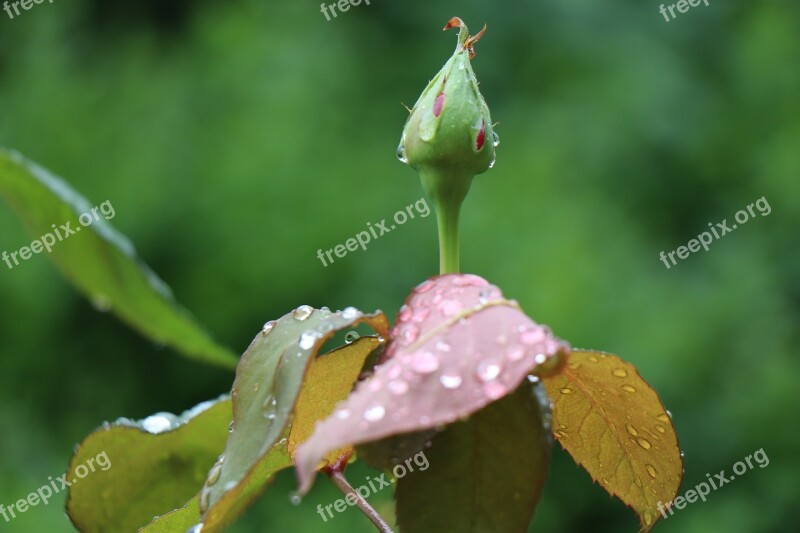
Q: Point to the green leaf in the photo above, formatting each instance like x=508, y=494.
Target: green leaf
x=266, y=389
x=156, y=465
x=99, y=260
x=178, y=521
x=485, y=474
x=614, y=425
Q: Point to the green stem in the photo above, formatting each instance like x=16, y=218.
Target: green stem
x=447, y=218
x=447, y=190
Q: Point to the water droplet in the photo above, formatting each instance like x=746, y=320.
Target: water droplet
x=195, y=529
x=495, y=139
x=442, y=346
x=405, y=313
x=157, y=424
x=450, y=381
x=628, y=388
x=631, y=430
x=620, y=372
x=268, y=327
x=593, y=359
x=401, y=153
x=566, y=390
x=540, y=358
x=343, y=414
x=450, y=307
x=488, y=370
x=424, y=287
x=308, y=339
x=660, y=429
x=302, y=312
x=494, y=390
x=410, y=333
x=494, y=160
x=515, y=353
x=394, y=371
x=350, y=313
x=351, y=337
x=533, y=379
x=295, y=498
x=531, y=337
x=374, y=384
x=650, y=470
x=662, y=417
x=373, y=414
x=424, y=362
x=398, y=387
x=421, y=314
x=101, y=303
x=229, y=486
x=231, y=427
x=270, y=407
x=214, y=475
x=644, y=443
x=205, y=499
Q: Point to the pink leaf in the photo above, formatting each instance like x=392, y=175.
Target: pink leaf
x=457, y=346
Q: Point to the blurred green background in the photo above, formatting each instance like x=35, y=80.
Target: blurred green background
x=234, y=139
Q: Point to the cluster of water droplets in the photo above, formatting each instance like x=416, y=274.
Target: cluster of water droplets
x=646, y=437
x=212, y=479
x=409, y=363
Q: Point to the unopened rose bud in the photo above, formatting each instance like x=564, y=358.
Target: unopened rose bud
x=449, y=139
x=450, y=125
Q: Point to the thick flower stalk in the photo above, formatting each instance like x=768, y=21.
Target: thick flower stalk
x=449, y=139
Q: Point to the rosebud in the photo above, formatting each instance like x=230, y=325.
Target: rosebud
x=450, y=125
x=448, y=139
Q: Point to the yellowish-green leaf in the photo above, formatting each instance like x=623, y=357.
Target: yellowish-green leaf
x=180, y=520
x=614, y=425
x=328, y=382
x=128, y=472
x=329, y=379
x=185, y=519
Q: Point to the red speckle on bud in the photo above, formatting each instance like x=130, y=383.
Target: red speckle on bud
x=481, y=140
x=438, y=105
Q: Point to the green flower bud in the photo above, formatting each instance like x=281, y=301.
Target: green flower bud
x=448, y=138
x=450, y=125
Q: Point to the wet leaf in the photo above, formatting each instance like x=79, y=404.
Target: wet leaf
x=100, y=261
x=614, y=425
x=265, y=392
x=457, y=346
x=181, y=520
x=490, y=469
x=329, y=380
x=178, y=521
x=156, y=465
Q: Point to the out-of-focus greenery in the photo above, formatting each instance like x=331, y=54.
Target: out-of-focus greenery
x=235, y=139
